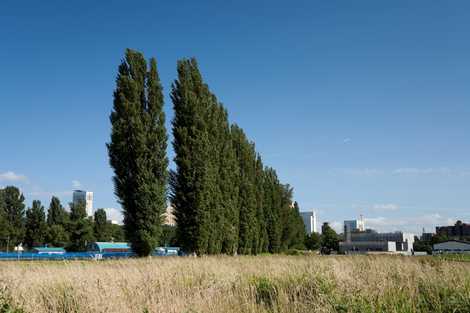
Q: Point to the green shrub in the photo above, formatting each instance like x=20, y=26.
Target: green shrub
x=265, y=291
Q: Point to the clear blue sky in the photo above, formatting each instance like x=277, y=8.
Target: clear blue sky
x=362, y=106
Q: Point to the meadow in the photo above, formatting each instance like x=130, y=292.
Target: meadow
x=238, y=284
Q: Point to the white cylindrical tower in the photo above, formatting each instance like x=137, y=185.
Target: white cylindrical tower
x=314, y=221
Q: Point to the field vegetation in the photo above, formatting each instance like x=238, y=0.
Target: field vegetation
x=306, y=283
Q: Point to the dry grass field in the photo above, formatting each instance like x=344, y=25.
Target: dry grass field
x=238, y=284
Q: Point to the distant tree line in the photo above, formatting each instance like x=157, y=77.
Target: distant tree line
x=225, y=199
x=34, y=227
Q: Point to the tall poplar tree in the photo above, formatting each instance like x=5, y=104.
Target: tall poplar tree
x=137, y=150
x=193, y=185
x=224, y=199
x=262, y=243
x=248, y=230
x=298, y=239
x=229, y=189
x=272, y=205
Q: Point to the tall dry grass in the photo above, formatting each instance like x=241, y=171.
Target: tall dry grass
x=238, y=284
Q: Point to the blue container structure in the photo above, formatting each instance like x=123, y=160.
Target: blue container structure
x=96, y=251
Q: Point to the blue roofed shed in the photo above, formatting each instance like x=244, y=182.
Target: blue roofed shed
x=47, y=250
x=103, y=247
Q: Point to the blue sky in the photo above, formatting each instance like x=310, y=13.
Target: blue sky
x=362, y=106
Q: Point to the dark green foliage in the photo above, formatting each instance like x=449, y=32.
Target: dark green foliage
x=3, y=221
x=313, y=241
x=59, y=223
x=14, y=214
x=193, y=185
x=168, y=237
x=285, y=213
x=101, y=226
x=294, y=229
x=57, y=236
x=80, y=228
x=262, y=242
x=422, y=246
x=227, y=169
x=137, y=150
x=36, y=227
x=329, y=239
x=247, y=200
x=224, y=199
x=56, y=215
x=117, y=233
x=438, y=238
x=77, y=211
x=272, y=205
x=81, y=234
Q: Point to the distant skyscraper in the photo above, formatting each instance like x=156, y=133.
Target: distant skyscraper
x=85, y=197
x=354, y=225
x=310, y=221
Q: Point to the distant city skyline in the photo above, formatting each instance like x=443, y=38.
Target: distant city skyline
x=362, y=107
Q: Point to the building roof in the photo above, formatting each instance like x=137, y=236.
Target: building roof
x=454, y=240
x=48, y=249
x=112, y=245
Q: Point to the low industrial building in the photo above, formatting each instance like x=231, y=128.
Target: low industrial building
x=361, y=247
x=459, y=231
x=451, y=246
x=403, y=241
x=109, y=247
x=357, y=239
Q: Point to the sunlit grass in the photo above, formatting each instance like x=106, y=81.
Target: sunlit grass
x=239, y=284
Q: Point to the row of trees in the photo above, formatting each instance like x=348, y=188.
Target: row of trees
x=59, y=228
x=225, y=199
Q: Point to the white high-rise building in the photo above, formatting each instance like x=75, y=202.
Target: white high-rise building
x=354, y=225
x=85, y=197
x=310, y=221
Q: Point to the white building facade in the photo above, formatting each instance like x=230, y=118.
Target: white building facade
x=310, y=221
x=354, y=225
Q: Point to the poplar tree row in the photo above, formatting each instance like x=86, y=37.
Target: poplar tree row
x=225, y=200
